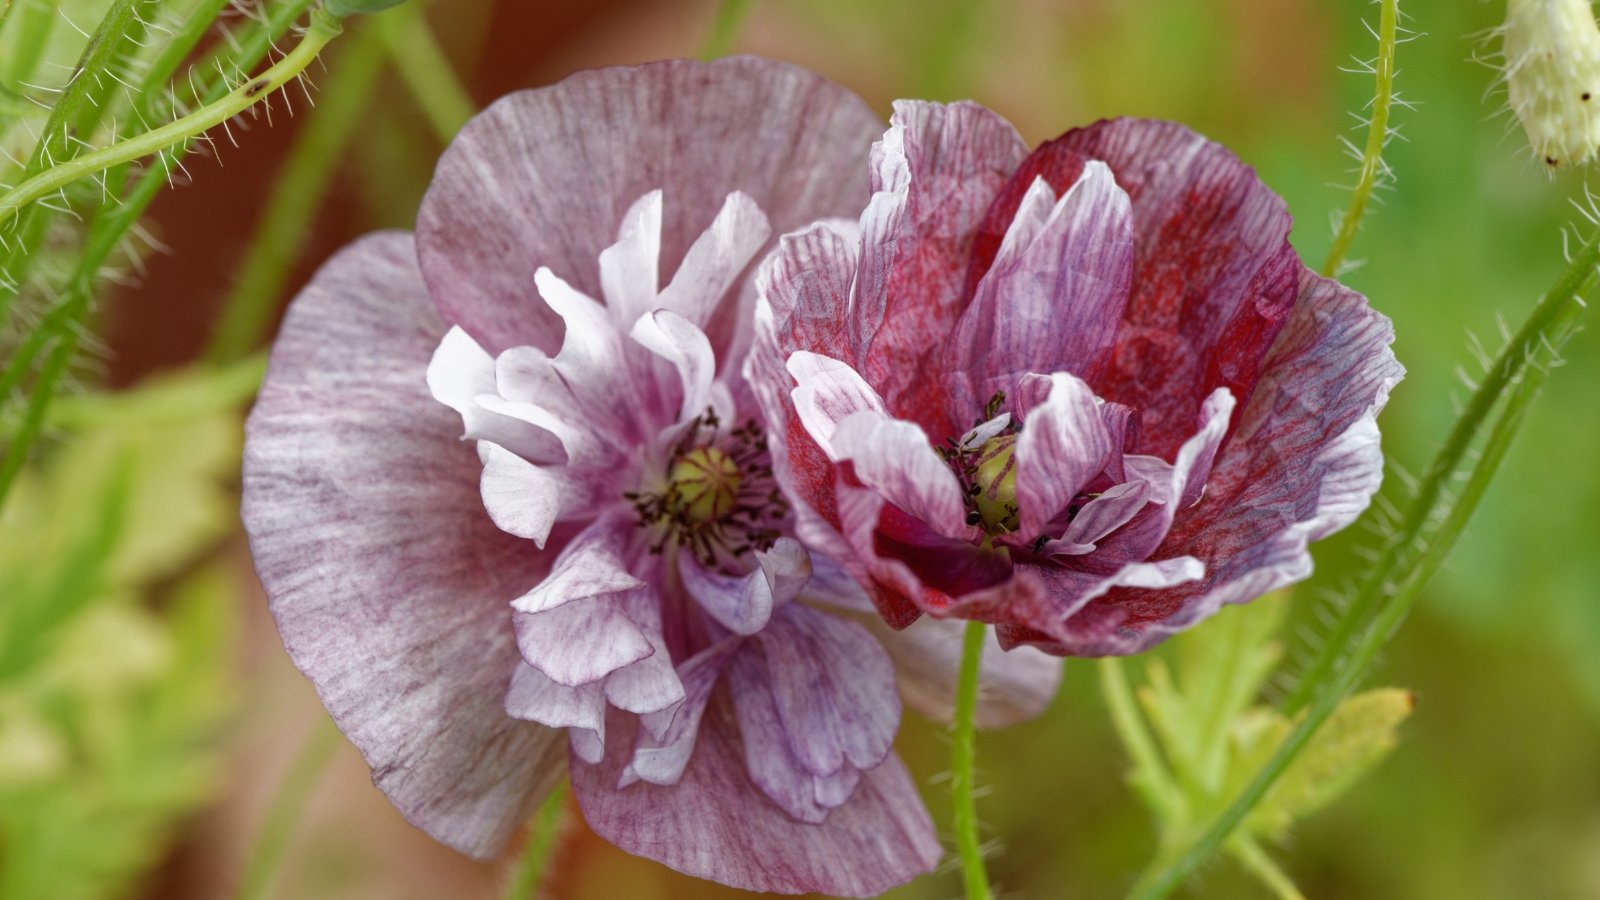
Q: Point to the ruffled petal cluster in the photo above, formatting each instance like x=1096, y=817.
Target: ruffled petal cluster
x=513, y=503
x=1087, y=393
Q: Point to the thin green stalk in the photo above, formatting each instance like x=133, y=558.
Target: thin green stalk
x=1558, y=321
x=1561, y=301
x=536, y=855
x=962, y=765
x=1253, y=858
x=428, y=74
x=1377, y=136
x=301, y=186
x=1151, y=776
x=288, y=804
x=725, y=28
x=324, y=28
x=33, y=35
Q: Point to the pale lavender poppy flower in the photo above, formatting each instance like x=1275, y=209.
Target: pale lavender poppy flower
x=1087, y=393
x=589, y=558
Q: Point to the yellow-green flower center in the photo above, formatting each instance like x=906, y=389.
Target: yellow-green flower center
x=704, y=484
x=993, y=494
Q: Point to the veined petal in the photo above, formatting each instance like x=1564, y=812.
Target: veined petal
x=532, y=182
x=1013, y=686
x=591, y=565
x=1053, y=299
x=1064, y=444
x=667, y=738
x=713, y=824
x=630, y=269
x=581, y=641
x=527, y=500
x=387, y=580
x=459, y=371
x=681, y=343
x=895, y=459
x=716, y=259
x=743, y=604
x=826, y=393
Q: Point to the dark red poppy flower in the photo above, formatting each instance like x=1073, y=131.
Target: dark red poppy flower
x=1088, y=393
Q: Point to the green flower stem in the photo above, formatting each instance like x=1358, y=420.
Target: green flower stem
x=536, y=855
x=1151, y=776
x=301, y=185
x=962, y=765
x=177, y=48
x=324, y=28
x=426, y=71
x=1560, y=303
x=1521, y=369
x=33, y=35
x=725, y=29
x=287, y=805
x=1377, y=136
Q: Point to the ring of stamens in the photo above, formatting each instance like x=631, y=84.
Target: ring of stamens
x=987, y=473
x=718, y=498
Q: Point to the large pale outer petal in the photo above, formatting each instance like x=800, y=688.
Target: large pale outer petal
x=1302, y=463
x=388, y=581
x=543, y=177
x=715, y=823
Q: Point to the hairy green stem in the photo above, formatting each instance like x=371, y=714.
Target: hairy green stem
x=963, y=774
x=301, y=185
x=324, y=28
x=288, y=803
x=1546, y=331
x=1559, y=303
x=725, y=28
x=536, y=855
x=1377, y=136
x=428, y=74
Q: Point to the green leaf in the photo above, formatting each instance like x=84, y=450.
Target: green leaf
x=1359, y=733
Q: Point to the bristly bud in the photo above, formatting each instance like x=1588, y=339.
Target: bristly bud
x=1552, y=56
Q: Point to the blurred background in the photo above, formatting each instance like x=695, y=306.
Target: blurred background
x=187, y=718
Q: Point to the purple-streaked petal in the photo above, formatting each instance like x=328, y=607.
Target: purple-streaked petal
x=1303, y=462
x=535, y=698
x=1104, y=514
x=667, y=738
x=387, y=580
x=591, y=565
x=1054, y=296
x=805, y=287
x=595, y=432
x=458, y=372
x=826, y=393
x=1214, y=277
x=769, y=750
x=934, y=174
x=715, y=824
x=630, y=269
x=1063, y=446
x=581, y=641
x=681, y=343
x=716, y=259
x=743, y=604
x=533, y=181
x=527, y=500
x=895, y=459
x=1013, y=686
x=833, y=687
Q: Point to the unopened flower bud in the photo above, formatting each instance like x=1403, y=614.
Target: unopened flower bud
x=1552, y=55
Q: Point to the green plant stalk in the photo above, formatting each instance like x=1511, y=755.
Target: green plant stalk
x=176, y=50
x=288, y=804
x=33, y=34
x=1558, y=322
x=725, y=28
x=107, y=230
x=301, y=185
x=1377, y=135
x=1151, y=779
x=426, y=70
x=76, y=112
x=1258, y=863
x=1561, y=301
x=963, y=768
x=324, y=28
x=536, y=856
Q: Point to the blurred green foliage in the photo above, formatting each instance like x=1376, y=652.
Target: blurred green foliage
x=115, y=657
